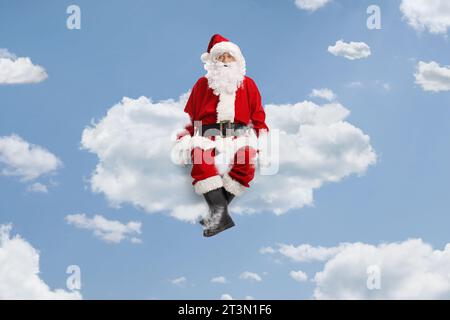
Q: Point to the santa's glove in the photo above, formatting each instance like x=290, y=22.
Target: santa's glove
x=181, y=151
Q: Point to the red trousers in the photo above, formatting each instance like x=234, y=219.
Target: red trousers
x=206, y=176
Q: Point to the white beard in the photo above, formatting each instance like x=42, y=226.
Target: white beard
x=225, y=79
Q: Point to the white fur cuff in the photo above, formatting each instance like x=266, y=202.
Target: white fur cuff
x=208, y=184
x=232, y=185
x=181, y=150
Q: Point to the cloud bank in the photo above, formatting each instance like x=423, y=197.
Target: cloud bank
x=133, y=142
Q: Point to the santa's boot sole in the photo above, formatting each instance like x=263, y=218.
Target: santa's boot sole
x=212, y=232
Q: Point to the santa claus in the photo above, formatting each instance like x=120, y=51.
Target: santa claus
x=226, y=118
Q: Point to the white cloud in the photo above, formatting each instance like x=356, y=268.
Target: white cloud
x=19, y=271
x=432, y=77
x=20, y=70
x=38, y=187
x=375, y=84
x=111, y=231
x=410, y=269
x=179, y=281
x=133, y=143
x=24, y=160
x=267, y=250
x=431, y=15
x=219, y=279
x=311, y=5
x=308, y=253
x=326, y=94
x=226, y=296
x=299, y=276
x=354, y=84
x=351, y=51
x=247, y=275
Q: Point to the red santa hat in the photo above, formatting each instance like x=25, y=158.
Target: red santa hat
x=218, y=45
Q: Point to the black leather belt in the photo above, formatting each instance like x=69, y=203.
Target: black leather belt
x=223, y=128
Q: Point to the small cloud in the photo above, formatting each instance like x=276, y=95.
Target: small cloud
x=111, y=231
x=226, y=296
x=351, y=51
x=179, y=281
x=354, y=84
x=432, y=77
x=267, y=250
x=299, y=276
x=220, y=279
x=28, y=162
x=326, y=94
x=20, y=70
x=38, y=187
x=308, y=253
x=247, y=275
x=311, y=5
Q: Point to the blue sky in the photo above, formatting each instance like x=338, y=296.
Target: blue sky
x=152, y=48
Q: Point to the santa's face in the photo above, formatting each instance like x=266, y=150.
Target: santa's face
x=226, y=57
x=225, y=74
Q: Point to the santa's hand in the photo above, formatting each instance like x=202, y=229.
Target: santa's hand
x=181, y=151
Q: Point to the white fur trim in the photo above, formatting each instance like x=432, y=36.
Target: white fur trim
x=201, y=142
x=181, y=150
x=222, y=47
x=205, y=57
x=208, y=184
x=225, y=107
x=230, y=145
x=227, y=46
x=232, y=185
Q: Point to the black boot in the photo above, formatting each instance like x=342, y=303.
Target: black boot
x=228, y=195
x=218, y=219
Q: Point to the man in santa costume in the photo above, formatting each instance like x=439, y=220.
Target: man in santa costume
x=226, y=118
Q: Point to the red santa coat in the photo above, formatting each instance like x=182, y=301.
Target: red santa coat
x=202, y=105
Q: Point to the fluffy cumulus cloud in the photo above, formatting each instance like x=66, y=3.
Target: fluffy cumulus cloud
x=351, y=50
x=19, y=271
x=26, y=161
x=14, y=70
x=111, y=231
x=431, y=15
x=432, y=77
x=311, y=5
x=134, y=139
x=410, y=269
